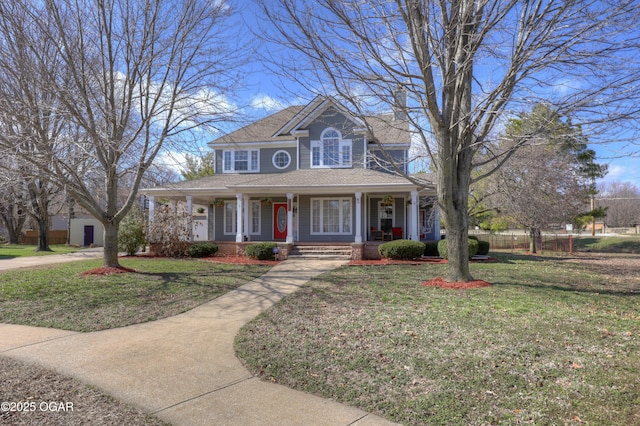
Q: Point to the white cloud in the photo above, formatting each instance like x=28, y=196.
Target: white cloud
x=267, y=103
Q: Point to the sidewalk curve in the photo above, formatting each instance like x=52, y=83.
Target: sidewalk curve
x=183, y=369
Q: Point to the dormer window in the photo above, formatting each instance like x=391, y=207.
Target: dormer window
x=241, y=161
x=331, y=150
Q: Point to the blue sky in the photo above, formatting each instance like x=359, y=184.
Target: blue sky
x=261, y=94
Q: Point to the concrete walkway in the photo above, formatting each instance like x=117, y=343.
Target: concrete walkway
x=50, y=259
x=183, y=369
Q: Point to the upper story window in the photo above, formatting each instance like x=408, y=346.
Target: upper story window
x=281, y=159
x=241, y=161
x=331, y=150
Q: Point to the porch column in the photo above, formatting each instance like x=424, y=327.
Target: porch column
x=152, y=207
x=173, y=206
x=239, y=220
x=289, y=218
x=358, y=217
x=414, y=216
x=190, y=214
x=245, y=218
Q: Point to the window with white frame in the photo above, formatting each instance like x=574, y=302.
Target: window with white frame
x=254, y=217
x=231, y=216
x=281, y=159
x=331, y=216
x=241, y=161
x=331, y=150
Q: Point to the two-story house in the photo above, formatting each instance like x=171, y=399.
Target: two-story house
x=309, y=174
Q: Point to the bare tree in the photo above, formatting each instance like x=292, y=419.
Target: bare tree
x=132, y=76
x=622, y=200
x=12, y=202
x=548, y=181
x=463, y=64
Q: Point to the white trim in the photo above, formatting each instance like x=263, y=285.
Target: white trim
x=273, y=159
x=340, y=216
x=289, y=238
x=252, y=231
x=313, y=110
x=343, y=144
x=239, y=217
x=253, y=145
x=358, y=198
x=233, y=160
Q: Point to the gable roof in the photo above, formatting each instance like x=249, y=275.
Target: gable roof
x=312, y=111
x=282, y=125
x=262, y=130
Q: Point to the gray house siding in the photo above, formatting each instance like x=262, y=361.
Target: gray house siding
x=332, y=118
x=266, y=160
x=379, y=161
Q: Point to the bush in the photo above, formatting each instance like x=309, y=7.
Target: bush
x=261, y=251
x=131, y=232
x=170, y=232
x=401, y=249
x=202, y=250
x=443, y=248
x=431, y=248
x=483, y=248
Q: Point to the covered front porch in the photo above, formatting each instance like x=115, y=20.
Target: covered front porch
x=309, y=218
x=346, y=206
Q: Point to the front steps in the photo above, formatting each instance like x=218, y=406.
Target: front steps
x=320, y=252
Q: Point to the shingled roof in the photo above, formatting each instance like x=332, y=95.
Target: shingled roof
x=383, y=128
x=262, y=130
x=307, y=181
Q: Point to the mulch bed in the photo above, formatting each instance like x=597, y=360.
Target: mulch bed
x=108, y=271
x=237, y=260
x=436, y=282
x=458, y=285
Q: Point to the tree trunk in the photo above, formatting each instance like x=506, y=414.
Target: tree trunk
x=533, y=238
x=110, y=259
x=13, y=222
x=453, y=199
x=14, y=235
x=43, y=235
x=15, y=229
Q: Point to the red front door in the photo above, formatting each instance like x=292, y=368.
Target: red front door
x=279, y=221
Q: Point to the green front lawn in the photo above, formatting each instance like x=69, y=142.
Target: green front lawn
x=10, y=251
x=59, y=297
x=621, y=244
x=553, y=341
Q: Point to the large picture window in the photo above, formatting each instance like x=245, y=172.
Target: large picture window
x=331, y=150
x=331, y=216
x=241, y=161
